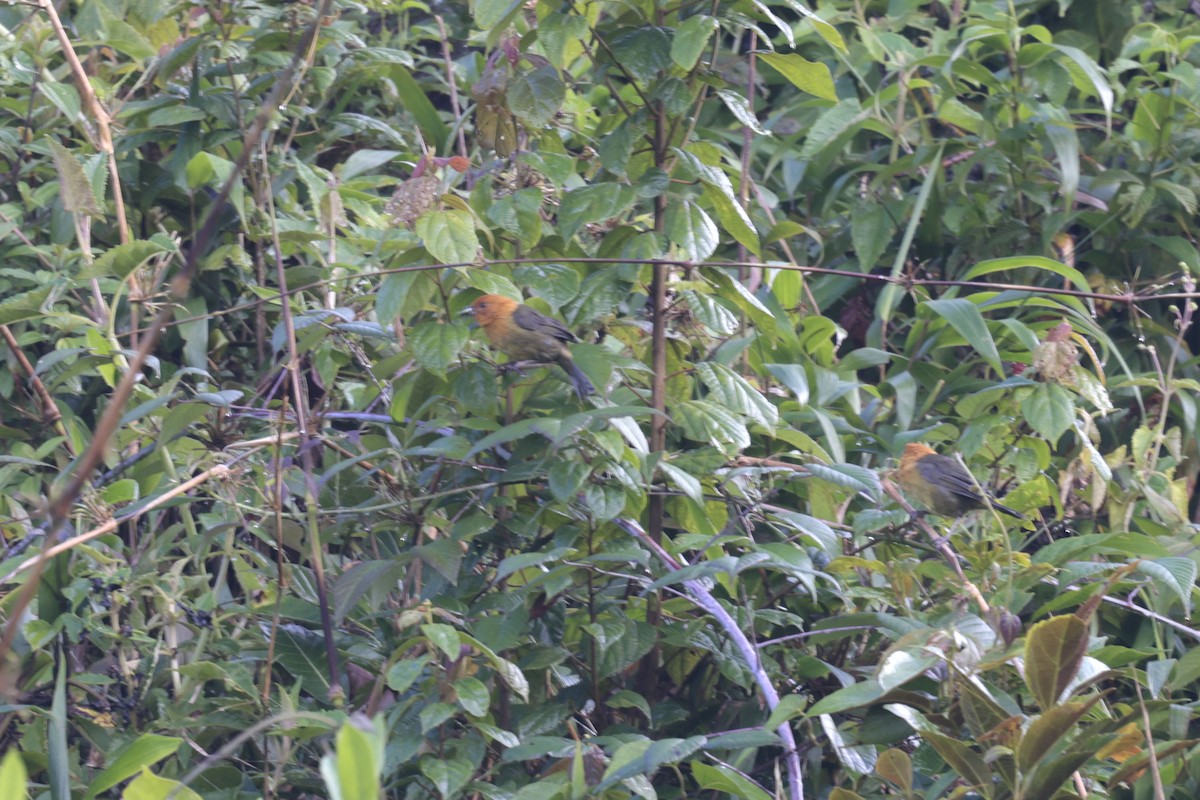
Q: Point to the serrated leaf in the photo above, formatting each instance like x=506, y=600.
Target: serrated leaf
x=75, y=191
x=23, y=306
x=690, y=39
x=643, y=52
x=123, y=259
x=536, y=96
x=436, y=345
x=692, y=230
x=735, y=393
x=449, y=236
x=833, y=123
x=871, y=231
x=684, y=481
x=851, y=476
x=1049, y=410
x=702, y=421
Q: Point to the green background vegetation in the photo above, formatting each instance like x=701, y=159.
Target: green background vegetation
x=327, y=549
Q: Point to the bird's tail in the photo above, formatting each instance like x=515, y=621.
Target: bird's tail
x=583, y=384
x=1006, y=509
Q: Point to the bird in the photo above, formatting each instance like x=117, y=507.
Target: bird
x=942, y=485
x=524, y=333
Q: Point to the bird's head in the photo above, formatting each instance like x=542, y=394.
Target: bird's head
x=914, y=452
x=491, y=307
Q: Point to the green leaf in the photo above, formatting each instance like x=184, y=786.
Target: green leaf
x=719, y=191
x=473, y=696
x=710, y=313
x=1019, y=262
x=490, y=282
x=707, y=422
x=740, y=108
x=593, y=203
x=790, y=706
x=557, y=284
x=148, y=786
x=1177, y=574
x=13, y=776
x=359, y=760
x=831, y=124
x=436, y=345
x=302, y=653
x=448, y=775
x=444, y=638
x=449, y=236
x=416, y=102
x=1092, y=74
x=23, y=306
x=1045, y=732
x=871, y=231
x=692, y=230
x=147, y=749
x=896, y=767
x=1049, y=410
x=362, y=161
x=855, y=695
x=964, y=317
x=64, y=97
x=124, y=38
x=736, y=394
x=794, y=377
x=536, y=96
x=807, y=76
x=965, y=761
x=1054, y=649
x=75, y=191
x=643, y=52
x=403, y=674
x=491, y=14
x=644, y=758
x=684, y=481
x=826, y=31
x=691, y=37
x=727, y=781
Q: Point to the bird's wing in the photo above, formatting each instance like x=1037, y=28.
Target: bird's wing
x=944, y=471
x=531, y=320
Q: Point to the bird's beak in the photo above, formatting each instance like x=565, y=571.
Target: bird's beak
x=469, y=311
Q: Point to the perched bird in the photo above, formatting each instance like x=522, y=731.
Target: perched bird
x=941, y=484
x=523, y=333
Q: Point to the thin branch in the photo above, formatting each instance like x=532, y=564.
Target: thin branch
x=95, y=111
x=219, y=471
x=940, y=543
x=702, y=597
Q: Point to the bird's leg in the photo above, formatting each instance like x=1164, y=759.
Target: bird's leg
x=512, y=368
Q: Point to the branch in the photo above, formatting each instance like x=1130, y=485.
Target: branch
x=703, y=598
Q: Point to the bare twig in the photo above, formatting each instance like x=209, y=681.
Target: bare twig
x=702, y=597
x=95, y=112
x=940, y=543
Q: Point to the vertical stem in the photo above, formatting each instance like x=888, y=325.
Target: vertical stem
x=655, y=511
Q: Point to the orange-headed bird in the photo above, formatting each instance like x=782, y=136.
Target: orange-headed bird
x=941, y=484
x=524, y=333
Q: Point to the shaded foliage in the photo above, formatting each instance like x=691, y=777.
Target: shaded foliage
x=791, y=240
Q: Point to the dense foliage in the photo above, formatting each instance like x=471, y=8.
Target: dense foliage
x=332, y=547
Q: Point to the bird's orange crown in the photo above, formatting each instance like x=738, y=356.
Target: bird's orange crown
x=491, y=308
x=915, y=451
